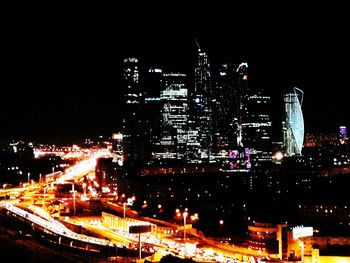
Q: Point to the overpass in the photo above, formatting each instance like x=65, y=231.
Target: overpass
x=56, y=232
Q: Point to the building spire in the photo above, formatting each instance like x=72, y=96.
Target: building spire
x=197, y=44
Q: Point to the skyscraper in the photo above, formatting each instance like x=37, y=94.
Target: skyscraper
x=224, y=109
x=343, y=137
x=132, y=126
x=201, y=107
x=174, y=117
x=293, y=126
x=241, y=96
x=257, y=127
x=230, y=113
x=152, y=85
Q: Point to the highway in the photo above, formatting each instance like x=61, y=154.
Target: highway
x=26, y=208
x=55, y=226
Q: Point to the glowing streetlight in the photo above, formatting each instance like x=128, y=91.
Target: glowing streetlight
x=130, y=201
x=84, y=188
x=185, y=215
x=73, y=191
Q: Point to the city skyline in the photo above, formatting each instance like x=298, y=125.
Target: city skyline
x=62, y=78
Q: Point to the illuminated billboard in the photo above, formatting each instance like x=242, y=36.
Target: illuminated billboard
x=302, y=231
x=117, y=136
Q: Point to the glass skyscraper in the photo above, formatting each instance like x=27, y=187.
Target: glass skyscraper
x=293, y=126
x=132, y=126
x=174, y=117
x=201, y=108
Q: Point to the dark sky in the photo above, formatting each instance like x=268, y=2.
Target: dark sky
x=60, y=68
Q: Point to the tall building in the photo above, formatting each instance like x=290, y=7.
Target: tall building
x=152, y=117
x=201, y=108
x=230, y=101
x=293, y=126
x=132, y=126
x=225, y=109
x=174, y=117
x=343, y=137
x=257, y=128
x=241, y=97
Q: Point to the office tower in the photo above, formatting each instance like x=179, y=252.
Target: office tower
x=224, y=110
x=174, y=117
x=201, y=108
x=152, y=85
x=133, y=126
x=293, y=126
x=257, y=128
x=239, y=154
x=229, y=114
x=241, y=95
x=343, y=137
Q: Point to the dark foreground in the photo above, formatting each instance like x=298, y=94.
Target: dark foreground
x=14, y=248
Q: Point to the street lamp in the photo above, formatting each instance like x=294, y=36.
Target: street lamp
x=28, y=178
x=73, y=191
x=130, y=201
x=184, y=215
x=124, y=204
x=84, y=188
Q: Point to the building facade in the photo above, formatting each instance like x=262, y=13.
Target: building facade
x=293, y=126
x=132, y=120
x=201, y=108
x=257, y=128
x=174, y=117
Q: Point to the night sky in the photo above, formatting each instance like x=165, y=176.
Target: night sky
x=60, y=71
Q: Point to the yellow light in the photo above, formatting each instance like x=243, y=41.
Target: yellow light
x=278, y=156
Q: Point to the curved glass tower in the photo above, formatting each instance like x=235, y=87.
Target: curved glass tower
x=293, y=128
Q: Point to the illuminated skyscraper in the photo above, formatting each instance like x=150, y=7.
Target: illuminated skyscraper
x=225, y=109
x=241, y=97
x=343, y=137
x=293, y=126
x=230, y=113
x=133, y=99
x=257, y=127
x=174, y=117
x=201, y=107
x=152, y=85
